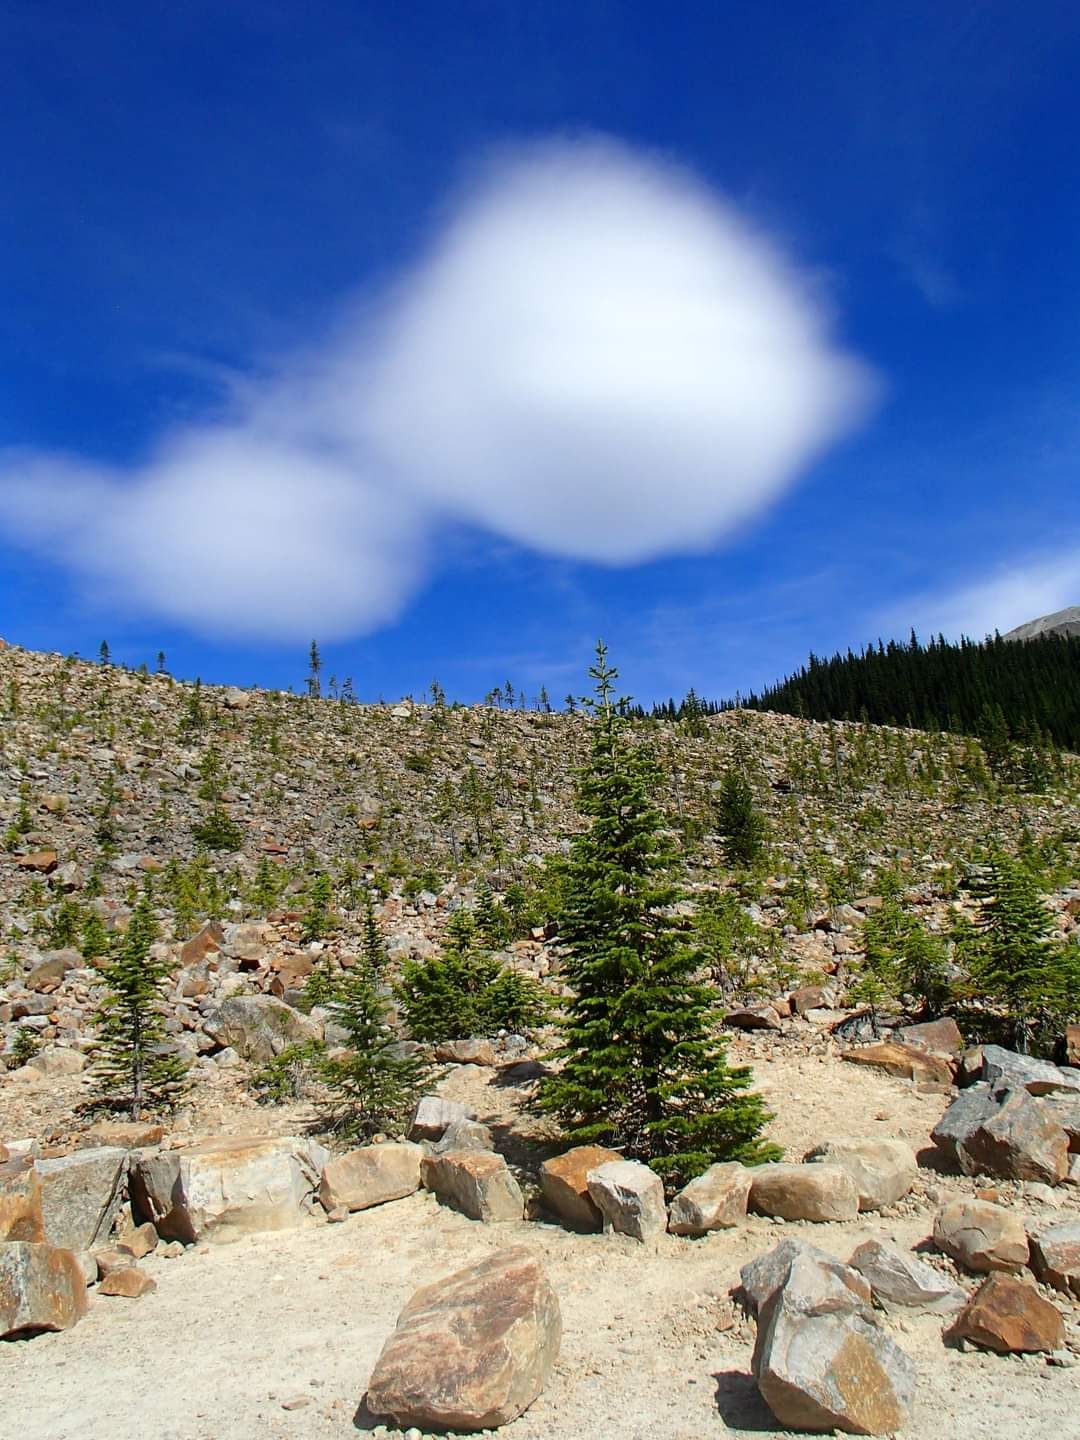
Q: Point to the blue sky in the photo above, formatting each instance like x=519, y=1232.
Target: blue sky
x=458, y=334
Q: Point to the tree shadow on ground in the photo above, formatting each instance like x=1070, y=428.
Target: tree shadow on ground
x=740, y=1404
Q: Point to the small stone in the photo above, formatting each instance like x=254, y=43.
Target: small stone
x=296, y=1402
x=714, y=1200
x=128, y=1281
x=477, y=1183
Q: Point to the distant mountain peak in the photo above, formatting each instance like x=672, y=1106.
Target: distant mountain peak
x=1061, y=622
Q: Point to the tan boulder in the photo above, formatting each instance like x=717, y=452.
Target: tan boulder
x=761, y=1277
x=139, y=1241
x=222, y=1189
x=883, y=1170
x=40, y=862
x=981, y=1236
x=370, y=1176
x=42, y=1287
x=1009, y=1316
x=258, y=1027
x=433, y=1116
x=907, y=1062
x=1055, y=1256
x=21, y=1216
x=128, y=1281
x=714, y=1200
x=128, y=1134
x=630, y=1197
x=472, y=1351
x=937, y=1037
x=803, y=1192
x=564, y=1186
x=476, y=1182
x=81, y=1194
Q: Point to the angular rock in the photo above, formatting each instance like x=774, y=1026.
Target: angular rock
x=813, y=1283
x=42, y=1287
x=128, y=1281
x=81, y=1194
x=714, y=1200
x=1072, y=1045
x=206, y=941
x=831, y=1370
x=21, y=1215
x=900, y=1280
x=1020, y=1141
x=55, y=1060
x=466, y=1052
x=464, y=1135
x=219, y=1190
x=130, y=1134
x=804, y=1192
x=883, y=1170
x=478, y=1183
x=51, y=968
x=630, y=1197
x=937, y=1037
x=981, y=1236
x=139, y=1241
x=808, y=997
x=907, y=1062
x=1009, y=1316
x=472, y=1351
x=967, y=1112
x=1055, y=1256
x=433, y=1115
x=753, y=1017
x=762, y=1277
x=1021, y=1072
x=370, y=1176
x=1064, y=1110
x=564, y=1186
x=259, y=1027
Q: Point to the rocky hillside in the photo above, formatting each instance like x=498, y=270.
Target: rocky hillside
x=1061, y=622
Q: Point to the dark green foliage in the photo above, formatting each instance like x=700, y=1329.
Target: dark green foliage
x=372, y=944
x=318, y=919
x=376, y=1084
x=94, y=939
x=643, y=1068
x=129, y=1060
x=743, y=958
x=738, y=821
x=65, y=925
x=493, y=924
x=26, y=1045
x=903, y=963
x=219, y=831
x=285, y=1077
x=1015, y=962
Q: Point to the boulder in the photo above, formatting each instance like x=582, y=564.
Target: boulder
x=804, y=1192
x=907, y=1062
x=52, y=968
x=130, y=1134
x=1072, y=1045
x=472, y=1351
x=370, y=1176
x=1006, y=1068
x=967, y=1112
x=1064, y=1110
x=1009, y=1316
x=206, y=941
x=808, y=997
x=21, y=1214
x=466, y=1052
x=258, y=1027
x=128, y=1281
x=564, y=1186
x=42, y=1287
x=630, y=1197
x=815, y=1283
x=478, y=1183
x=764, y=1275
x=81, y=1194
x=828, y=1368
x=753, y=1017
x=981, y=1236
x=1055, y=1256
x=433, y=1115
x=464, y=1135
x=222, y=1189
x=56, y=1060
x=900, y=1280
x=936, y=1037
x=138, y=1241
x=1020, y=1141
x=714, y=1200
x=883, y=1171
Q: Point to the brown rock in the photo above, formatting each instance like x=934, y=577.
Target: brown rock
x=138, y=1241
x=1072, y=1044
x=21, y=1216
x=753, y=1017
x=475, y=1182
x=370, y=1176
x=41, y=862
x=981, y=1236
x=808, y=997
x=907, y=1062
x=466, y=1052
x=472, y=1351
x=937, y=1037
x=204, y=942
x=1009, y=1316
x=127, y=1134
x=714, y=1200
x=1021, y=1140
x=129, y=1281
x=42, y=1287
x=564, y=1186
x=1055, y=1257
x=883, y=1170
x=109, y=1259
x=804, y=1192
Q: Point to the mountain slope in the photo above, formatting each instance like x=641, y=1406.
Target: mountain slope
x=1061, y=622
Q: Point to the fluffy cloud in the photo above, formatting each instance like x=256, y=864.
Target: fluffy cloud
x=597, y=358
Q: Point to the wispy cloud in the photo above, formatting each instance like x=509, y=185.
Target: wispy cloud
x=598, y=358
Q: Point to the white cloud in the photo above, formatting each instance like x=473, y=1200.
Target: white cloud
x=598, y=358
x=1021, y=591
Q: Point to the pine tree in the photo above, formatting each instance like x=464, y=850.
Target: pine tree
x=642, y=1066
x=130, y=1061
x=738, y=821
x=372, y=944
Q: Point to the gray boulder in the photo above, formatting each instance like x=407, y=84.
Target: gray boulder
x=1021, y=1140
x=900, y=1280
x=765, y=1274
x=81, y=1194
x=630, y=1197
x=714, y=1200
x=258, y=1027
x=1001, y=1067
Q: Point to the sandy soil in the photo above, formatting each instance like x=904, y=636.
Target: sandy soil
x=653, y=1347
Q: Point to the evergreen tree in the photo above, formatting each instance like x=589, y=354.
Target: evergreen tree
x=738, y=821
x=372, y=944
x=642, y=1066
x=314, y=683
x=317, y=918
x=130, y=1061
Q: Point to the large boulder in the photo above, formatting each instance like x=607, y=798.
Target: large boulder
x=1021, y=1140
x=42, y=1287
x=1055, y=1256
x=936, y=1037
x=370, y=1176
x=476, y=1182
x=981, y=1236
x=761, y=1277
x=1007, y=1069
x=900, y=1280
x=81, y=1194
x=258, y=1027
x=433, y=1116
x=222, y=1189
x=21, y=1214
x=907, y=1062
x=1009, y=1316
x=564, y=1186
x=472, y=1351
x=971, y=1108
x=714, y=1200
x=464, y=1135
x=630, y=1197
x=804, y=1192
x=820, y=1365
x=1064, y=1110
x=883, y=1170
